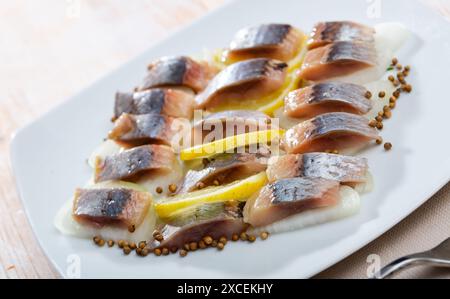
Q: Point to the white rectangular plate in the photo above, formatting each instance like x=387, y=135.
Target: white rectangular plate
x=49, y=155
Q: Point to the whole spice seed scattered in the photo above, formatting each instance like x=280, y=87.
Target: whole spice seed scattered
x=174, y=249
x=396, y=83
x=243, y=236
x=144, y=252
x=391, y=78
x=387, y=146
x=378, y=119
x=101, y=242
x=186, y=246
x=407, y=88
x=155, y=233
x=407, y=68
x=126, y=250
x=223, y=240
x=385, y=108
x=368, y=95
x=121, y=244
x=220, y=246
x=159, y=238
x=373, y=123
x=380, y=114
x=142, y=244
x=336, y=152
x=379, y=140
x=208, y=240
x=394, y=61
x=399, y=66
x=157, y=251
x=392, y=99
x=159, y=190
x=379, y=125
x=172, y=188
x=165, y=251
x=396, y=94
x=183, y=253
x=193, y=246
x=392, y=105
x=235, y=237
x=133, y=245
x=214, y=243
x=138, y=251
x=381, y=94
x=202, y=244
x=388, y=114
x=264, y=235
x=251, y=238
x=132, y=228
x=110, y=243
x=96, y=239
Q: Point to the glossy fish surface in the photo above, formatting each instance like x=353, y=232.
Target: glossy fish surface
x=325, y=33
x=216, y=221
x=177, y=71
x=337, y=59
x=327, y=97
x=118, y=206
x=225, y=168
x=132, y=162
x=144, y=128
x=290, y=196
x=275, y=41
x=170, y=102
x=330, y=131
x=242, y=81
x=344, y=169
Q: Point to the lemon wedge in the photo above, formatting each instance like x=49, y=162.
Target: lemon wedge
x=239, y=190
x=226, y=144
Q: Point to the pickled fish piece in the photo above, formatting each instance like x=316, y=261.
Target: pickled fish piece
x=132, y=162
x=325, y=33
x=337, y=59
x=103, y=206
x=219, y=221
x=232, y=122
x=170, y=102
x=331, y=131
x=275, y=41
x=224, y=169
x=177, y=71
x=327, y=97
x=344, y=169
x=287, y=197
x=144, y=128
x=242, y=81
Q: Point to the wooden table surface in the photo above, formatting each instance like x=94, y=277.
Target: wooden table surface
x=49, y=50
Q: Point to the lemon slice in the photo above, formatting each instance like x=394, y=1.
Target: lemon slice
x=229, y=143
x=239, y=190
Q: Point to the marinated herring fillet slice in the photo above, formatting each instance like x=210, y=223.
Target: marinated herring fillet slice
x=242, y=81
x=325, y=33
x=328, y=97
x=344, y=169
x=132, y=162
x=287, y=197
x=144, y=128
x=232, y=122
x=275, y=41
x=222, y=221
x=225, y=168
x=177, y=71
x=118, y=206
x=337, y=59
x=331, y=131
x=166, y=101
